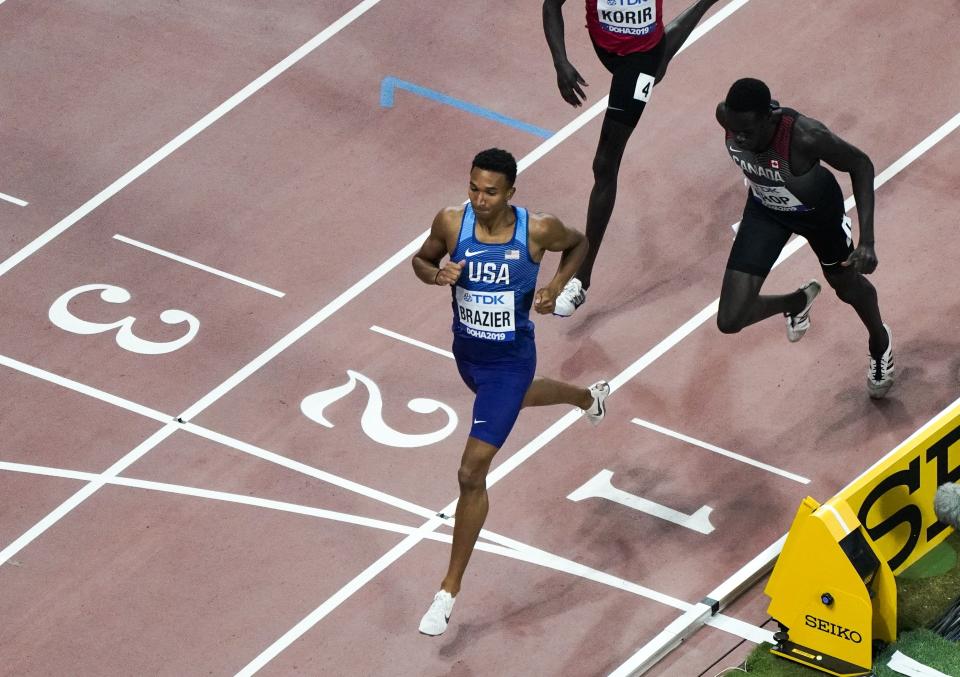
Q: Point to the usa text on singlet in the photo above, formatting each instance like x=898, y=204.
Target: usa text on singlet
x=492, y=298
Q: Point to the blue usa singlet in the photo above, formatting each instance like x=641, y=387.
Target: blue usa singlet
x=492, y=298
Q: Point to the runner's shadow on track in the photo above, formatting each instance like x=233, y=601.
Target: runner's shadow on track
x=551, y=598
x=590, y=358
x=919, y=366
x=665, y=283
x=630, y=301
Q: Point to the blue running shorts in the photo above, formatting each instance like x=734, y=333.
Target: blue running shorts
x=499, y=387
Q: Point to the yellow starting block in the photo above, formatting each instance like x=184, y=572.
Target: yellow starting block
x=832, y=590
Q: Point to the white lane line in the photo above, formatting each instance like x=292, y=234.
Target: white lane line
x=187, y=135
x=703, y=612
x=337, y=599
x=748, y=631
x=731, y=588
x=304, y=328
x=47, y=471
x=411, y=248
x=315, y=320
x=15, y=200
x=534, y=555
x=499, y=545
x=517, y=549
x=309, y=471
x=201, y=266
x=209, y=494
x=601, y=105
x=722, y=452
x=664, y=643
x=411, y=341
x=499, y=472
x=86, y=491
x=325, y=312
x=83, y=389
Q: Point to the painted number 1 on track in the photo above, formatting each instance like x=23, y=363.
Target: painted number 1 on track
x=599, y=486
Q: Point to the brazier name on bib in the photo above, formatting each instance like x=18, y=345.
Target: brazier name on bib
x=487, y=315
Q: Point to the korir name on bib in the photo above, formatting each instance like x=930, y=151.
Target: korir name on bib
x=487, y=315
x=627, y=17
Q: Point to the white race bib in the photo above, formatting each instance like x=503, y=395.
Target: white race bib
x=487, y=315
x=627, y=17
x=777, y=197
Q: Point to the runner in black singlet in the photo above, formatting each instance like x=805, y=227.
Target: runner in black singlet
x=790, y=192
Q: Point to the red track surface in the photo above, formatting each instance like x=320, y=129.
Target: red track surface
x=308, y=186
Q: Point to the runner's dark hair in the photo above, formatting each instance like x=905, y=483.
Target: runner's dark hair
x=497, y=160
x=748, y=95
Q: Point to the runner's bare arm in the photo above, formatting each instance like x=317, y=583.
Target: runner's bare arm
x=569, y=81
x=819, y=142
x=548, y=233
x=426, y=262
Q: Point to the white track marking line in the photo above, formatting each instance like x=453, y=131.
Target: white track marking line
x=15, y=200
x=723, y=452
x=528, y=553
x=403, y=254
x=747, y=631
x=86, y=491
x=309, y=471
x=187, y=135
x=498, y=473
x=318, y=317
x=704, y=612
x=336, y=600
x=304, y=328
x=315, y=320
x=83, y=389
x=522, y=550
x=498, y=545
x=601, y=105
x=47, y=471
x=730, y=589
x=223, y=496
x=201, y=266
x=411, y=341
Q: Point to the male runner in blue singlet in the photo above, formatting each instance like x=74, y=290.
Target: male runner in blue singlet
x=779, y=151
x=495, y=251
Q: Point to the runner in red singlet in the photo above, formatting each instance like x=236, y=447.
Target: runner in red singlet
x=633, y=43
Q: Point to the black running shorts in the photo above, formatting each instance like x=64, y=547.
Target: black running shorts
x=763, y=233
x=632, y=82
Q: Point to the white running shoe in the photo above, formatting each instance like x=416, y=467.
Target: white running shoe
x=571, y=298
x=798, y=324
x=880, y=374
x=434, y=622
x=600, y=391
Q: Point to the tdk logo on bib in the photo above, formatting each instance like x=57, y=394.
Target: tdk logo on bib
x=486, y=315
x=483, y=299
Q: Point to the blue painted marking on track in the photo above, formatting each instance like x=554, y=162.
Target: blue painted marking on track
x=390, y=83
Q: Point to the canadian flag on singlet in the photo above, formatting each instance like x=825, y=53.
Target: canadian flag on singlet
x=625, y=26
